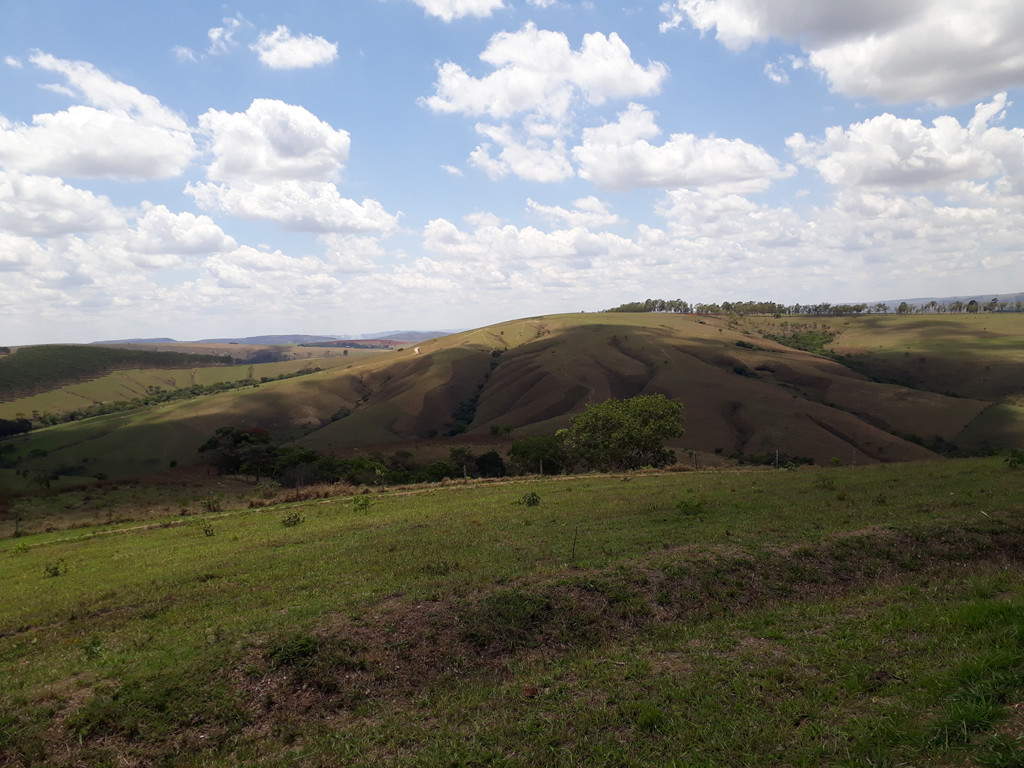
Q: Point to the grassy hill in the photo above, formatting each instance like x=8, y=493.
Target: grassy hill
x=32, y=370
x=894, y=389
x=816, y=617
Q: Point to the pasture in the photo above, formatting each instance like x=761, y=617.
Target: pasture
x=817, y=616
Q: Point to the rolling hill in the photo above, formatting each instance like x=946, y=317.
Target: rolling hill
x=888, y=389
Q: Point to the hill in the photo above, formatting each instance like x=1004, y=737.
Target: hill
x=31, y=370
x=883, y=388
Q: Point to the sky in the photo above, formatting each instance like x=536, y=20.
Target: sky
x=194, y=170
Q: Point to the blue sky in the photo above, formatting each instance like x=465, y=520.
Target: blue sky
x=192, y=170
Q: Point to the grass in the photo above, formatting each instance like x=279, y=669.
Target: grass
x=699, y=618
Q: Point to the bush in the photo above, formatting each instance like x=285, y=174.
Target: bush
x=530, y=499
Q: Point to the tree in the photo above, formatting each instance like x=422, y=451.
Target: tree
x=540, y=454
x=625, y=434
x=232, y=447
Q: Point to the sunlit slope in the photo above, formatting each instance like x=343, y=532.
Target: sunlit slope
x=970, y=355
x=742, y=394
x=132, y=383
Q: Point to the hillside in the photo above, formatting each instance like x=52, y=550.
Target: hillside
x=820, y=617
x=915, y=386
x=32, y=370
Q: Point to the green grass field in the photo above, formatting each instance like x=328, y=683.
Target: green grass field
x=822, y=616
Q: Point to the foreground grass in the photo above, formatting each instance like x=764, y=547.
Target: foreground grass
x=840, y=616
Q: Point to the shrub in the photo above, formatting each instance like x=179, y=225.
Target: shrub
x=692, y=507
x=290, y=521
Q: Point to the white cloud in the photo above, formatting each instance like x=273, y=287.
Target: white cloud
x=222, y=39
x=888, y=152
x=537, y=82
x=776, y=74
x=542, y=3
x=353, y=253
x=12, y=61
x=533, y=159
x=125, y=134
x=181, y=53
x=448, y=10
x=273, y=140
x=305, y=206
x=281, y=50
x=588, y=212
x=943, y=51
x=160, y=231
x=43, y=206
x=277, y=161
x=537, y=72
x=619, y=155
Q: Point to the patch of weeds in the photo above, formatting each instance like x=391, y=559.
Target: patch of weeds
x=208, y=530
x=1002, y=751
x=650, y=717
x=267, y=488
x=22, y=734
x=212, y=503
x=160, y=707
x=507, y=619
x=362, y=504
x=54, y=569
x=530, y=499
x=825, y=483
x=623, y=601
x=881, y=500
x=440, y=567
x=316, y=662
x=293, y=519
x=692, y=507
x=1014, y=459
x=92, y=648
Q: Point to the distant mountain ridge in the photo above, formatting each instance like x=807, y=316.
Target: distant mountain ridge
x=982, y=298
x=291, y=338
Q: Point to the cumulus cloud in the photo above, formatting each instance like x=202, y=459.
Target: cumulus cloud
x=306, y=206
x=273, y=140
x=158, y=230
x=536, y=83
x=448, y=10
x=943, y=51
x=533, y=159
x=281, y=50
x=536, y=71
x=588, y=212
x=278, y=161
x=888, y=152
x=619, y=155
x=353, y=253
x=43, y=206
x=123, y=134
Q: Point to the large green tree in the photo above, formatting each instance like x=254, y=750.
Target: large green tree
x=625, y=434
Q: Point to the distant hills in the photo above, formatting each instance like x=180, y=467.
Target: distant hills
x=292, y=338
